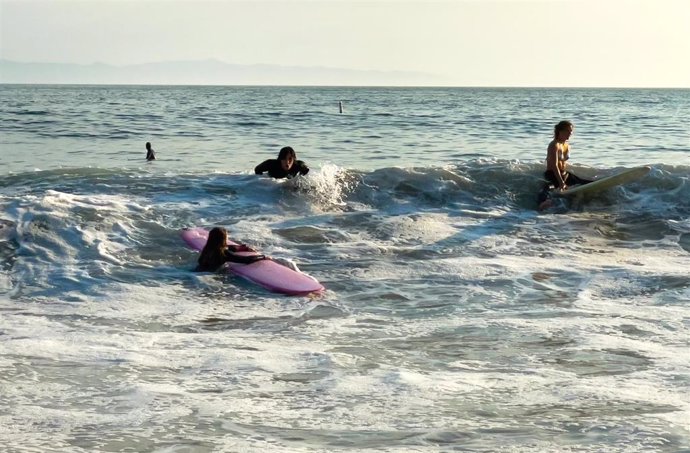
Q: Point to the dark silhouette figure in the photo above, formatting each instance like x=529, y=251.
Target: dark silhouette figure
x=150, y=153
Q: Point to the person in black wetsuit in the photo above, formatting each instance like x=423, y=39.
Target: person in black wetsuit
x=217, y=252
x=150, y=153
x=285, y=166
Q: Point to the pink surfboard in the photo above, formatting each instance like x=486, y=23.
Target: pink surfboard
x=267, y=273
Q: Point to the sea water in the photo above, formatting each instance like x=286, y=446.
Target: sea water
x=456, y=318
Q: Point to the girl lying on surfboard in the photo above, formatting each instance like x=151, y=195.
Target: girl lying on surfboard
x=557, y=155
x=217, y=252
x=285, y=166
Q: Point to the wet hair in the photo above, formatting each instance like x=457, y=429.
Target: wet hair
x=561, y=126
x=148, y=145
x=215, y=244
x=286, y=153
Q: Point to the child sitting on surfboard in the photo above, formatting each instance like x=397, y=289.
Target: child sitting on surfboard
x=285, y=166
x=557, y=155
x=217, y=252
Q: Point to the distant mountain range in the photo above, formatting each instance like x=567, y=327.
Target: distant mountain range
x=204, y=72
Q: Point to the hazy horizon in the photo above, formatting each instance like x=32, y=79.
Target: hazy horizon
x=203, y=72
x=67, y=78
x=464, y=43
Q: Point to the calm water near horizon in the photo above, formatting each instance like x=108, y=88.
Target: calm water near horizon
x=456, y=316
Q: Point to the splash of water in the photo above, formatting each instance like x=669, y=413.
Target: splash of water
x=328, y=188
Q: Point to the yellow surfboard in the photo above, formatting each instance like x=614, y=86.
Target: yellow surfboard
x=598, y=185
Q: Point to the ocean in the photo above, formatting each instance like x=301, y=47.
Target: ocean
x=456, y=316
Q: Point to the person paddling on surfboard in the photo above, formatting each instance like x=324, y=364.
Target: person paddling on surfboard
x=557, y=155
x=217, y=252
x=285, y=166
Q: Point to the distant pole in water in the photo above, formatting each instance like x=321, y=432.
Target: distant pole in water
x=340, y=106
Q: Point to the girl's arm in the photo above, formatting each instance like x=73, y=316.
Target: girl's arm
x=552, y=163
x=301, y=167
x=263, y=167
x=233, y=258
x=240, y=248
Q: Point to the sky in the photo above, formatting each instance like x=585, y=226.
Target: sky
x=583, y=43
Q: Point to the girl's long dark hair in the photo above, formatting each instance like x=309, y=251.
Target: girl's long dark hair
x=561, y=126
x=215, y=244
x=287, y=152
